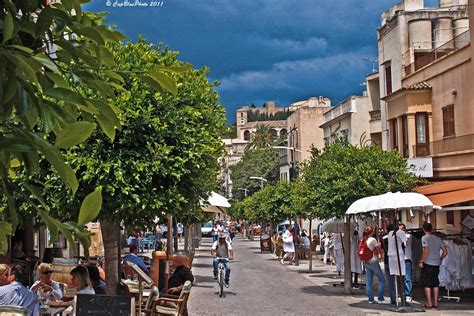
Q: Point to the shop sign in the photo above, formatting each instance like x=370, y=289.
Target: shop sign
x=422, y=167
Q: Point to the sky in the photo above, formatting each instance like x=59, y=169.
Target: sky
x=261, y=50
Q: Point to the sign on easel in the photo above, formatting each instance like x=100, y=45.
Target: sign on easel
x=103, y=305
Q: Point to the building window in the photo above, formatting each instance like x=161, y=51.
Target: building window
x=246, y=135
x=242, y=122
x=241, y=114
x=405, y=136
x=388, y=78
x=450, y=217
x=448, y=120
x=422, y=139
x=394, y=131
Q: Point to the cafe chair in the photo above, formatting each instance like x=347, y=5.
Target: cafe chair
x=173, y=306
x=147, y=308
x=10, y=310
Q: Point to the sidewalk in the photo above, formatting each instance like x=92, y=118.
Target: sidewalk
x=327, y=282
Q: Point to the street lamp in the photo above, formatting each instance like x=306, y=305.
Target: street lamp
x=261, y=180
x=245, y=191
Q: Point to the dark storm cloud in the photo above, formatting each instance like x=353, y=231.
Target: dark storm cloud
x=283, y=50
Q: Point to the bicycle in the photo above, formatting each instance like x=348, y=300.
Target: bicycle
x=221, y=275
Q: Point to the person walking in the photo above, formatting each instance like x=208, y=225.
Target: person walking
x=288, y=246
x=367, y=252
x=326, y=242
x=408, y=283
x=356, y=265
x=429, y=264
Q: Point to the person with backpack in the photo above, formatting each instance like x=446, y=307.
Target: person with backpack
x=367, y=252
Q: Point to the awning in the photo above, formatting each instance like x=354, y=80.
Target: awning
x=449, y=192
x=216, y=203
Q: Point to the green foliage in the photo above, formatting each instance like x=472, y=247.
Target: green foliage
x=341, y=173
x=256, y=116
x=165, y=158
x=258, y=162
x=230, y=132
x=58, y=81
x=262, y=138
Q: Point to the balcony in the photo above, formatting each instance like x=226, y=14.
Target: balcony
x=340, y=109
x=423, y=58
x=453, y=144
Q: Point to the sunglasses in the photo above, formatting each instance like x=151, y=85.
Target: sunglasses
x=47, y=272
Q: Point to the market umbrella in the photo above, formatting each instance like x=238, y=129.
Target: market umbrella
x=392, y=201
x=334, y=225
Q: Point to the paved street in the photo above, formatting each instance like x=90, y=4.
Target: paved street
x=260, y=285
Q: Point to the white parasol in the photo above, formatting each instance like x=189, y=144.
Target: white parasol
x=334, y=225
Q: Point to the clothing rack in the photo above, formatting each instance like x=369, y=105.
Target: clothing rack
x=449, y=297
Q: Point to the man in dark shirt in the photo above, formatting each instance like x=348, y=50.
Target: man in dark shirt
x=179, y=275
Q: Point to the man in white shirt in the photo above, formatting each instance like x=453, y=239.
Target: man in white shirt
x=337, y=241
x=408, y=264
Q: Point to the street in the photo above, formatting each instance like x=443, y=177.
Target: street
x=260, y=285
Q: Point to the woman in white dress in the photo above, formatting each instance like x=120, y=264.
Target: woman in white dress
x=288, y=246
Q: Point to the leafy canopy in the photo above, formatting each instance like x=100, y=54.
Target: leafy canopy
x=341, y=173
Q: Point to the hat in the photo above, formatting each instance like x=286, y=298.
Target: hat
x=222, y=235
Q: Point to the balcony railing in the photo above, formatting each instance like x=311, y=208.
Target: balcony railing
x=338, y=110
x=375, y=115
x=453, y=144
x=423, y=58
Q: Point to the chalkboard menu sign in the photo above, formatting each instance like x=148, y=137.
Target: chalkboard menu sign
x=103, y=305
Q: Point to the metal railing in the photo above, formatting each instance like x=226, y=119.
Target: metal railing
x=338, y=110
x=423, y=57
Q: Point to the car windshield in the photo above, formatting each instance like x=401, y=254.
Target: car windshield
x=208, y=224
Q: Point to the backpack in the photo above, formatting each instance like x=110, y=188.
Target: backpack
x=364, y=252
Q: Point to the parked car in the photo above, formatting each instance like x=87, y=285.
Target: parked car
x=206, y=229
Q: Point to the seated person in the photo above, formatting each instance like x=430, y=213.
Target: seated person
x=305, y=243
x=98, y=285
x=133, y=258
x=179, y=274
x=14, y=293
x=48, y=286
x=17, y=251
x=81, y=280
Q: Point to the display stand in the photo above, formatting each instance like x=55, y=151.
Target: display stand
x=449, y=297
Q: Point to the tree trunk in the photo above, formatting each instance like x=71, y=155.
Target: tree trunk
x=186, y=238
x=347, y=256
x=175, y=235
x=111, y=244
x=310, y=245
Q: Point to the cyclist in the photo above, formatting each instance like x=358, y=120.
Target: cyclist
x=222, y=249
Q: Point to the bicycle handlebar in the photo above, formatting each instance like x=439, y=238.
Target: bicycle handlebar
x=222, y=259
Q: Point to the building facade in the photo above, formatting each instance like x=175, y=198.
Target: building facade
x=429, y=112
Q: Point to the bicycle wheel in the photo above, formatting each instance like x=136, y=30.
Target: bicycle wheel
x=221, y=282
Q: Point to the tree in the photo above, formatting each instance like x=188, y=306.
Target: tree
x=165, y=158
x=44, y=53
x=340, y=174
x=258, y=162
x=274, y=203
x=261, y=138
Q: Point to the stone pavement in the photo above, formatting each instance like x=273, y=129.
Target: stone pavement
x=260, y=285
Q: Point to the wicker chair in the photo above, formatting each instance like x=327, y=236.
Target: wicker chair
x=173, y=306
x=10, y=310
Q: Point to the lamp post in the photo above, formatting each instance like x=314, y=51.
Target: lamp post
x=245, y=191
x=293, y=137
x=262, y=180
